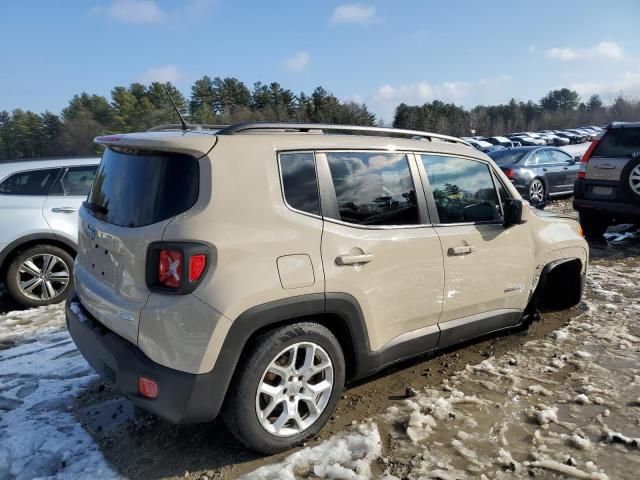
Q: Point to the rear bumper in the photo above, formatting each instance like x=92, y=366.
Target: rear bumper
x=183, y=397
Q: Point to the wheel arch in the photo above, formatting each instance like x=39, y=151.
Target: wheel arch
x=560, y=286
x=339, y=313
x=29, y=241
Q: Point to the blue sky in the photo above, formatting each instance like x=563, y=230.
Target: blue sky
x=380, y=52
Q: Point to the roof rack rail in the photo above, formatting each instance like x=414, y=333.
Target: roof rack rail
x=306, y=127
x=178, y=126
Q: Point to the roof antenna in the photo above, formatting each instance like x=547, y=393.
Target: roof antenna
x=185, y=125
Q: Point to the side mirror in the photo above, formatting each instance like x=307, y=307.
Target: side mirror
x=516, y=212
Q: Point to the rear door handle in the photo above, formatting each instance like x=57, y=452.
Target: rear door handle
x=461, y=250
x=545, y=169
x=64, y=210
x=343, y=260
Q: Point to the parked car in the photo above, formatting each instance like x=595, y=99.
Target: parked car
x=480, y=145
x=573, y=137
x=526, y=140
x=501, y=141
x=607, y=191
x=538, y=173
x=553, y=139
x=260, y=286
x=39, y=201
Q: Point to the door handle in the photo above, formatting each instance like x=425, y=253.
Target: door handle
x=64, y=210
x=545, y=169
x=566, y=168
x=461, y=250
x=343, y=260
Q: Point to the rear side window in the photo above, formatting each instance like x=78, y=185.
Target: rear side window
x=463, y=189
x=133, y=188
x=299, y=182
x=373, y=188
x=76, y=181
x=33, y=182
x=618, y=142
x=540, y=157
x=561, y=157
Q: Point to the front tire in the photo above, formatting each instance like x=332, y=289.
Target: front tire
x=40, y=275
x=287, y=388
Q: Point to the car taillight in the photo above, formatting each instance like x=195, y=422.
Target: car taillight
x=176, y=267
x=197, y=264
x=582, y=173
x=509, y=173
x=170, y=268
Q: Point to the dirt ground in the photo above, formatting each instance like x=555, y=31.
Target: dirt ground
x=138, y=445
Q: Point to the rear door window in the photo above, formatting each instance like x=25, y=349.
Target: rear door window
x=561, y=157
x=32, y=182
x=619, y=142
x=75, y=182
x=373, y=188
x=463, y=189
x=134, y=188
x=299, y=182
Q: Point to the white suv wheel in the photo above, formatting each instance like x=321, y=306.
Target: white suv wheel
x=295, y=389
x=43, y=277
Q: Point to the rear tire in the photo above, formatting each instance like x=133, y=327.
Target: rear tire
x=630, y=180
x=40, y=275
x=537, y=193
x=593, y=224
x=282, y=362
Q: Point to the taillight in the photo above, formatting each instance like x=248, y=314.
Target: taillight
x=582, y=173
x=197, y=264
x=509, y=173
x=177, y=267
x=170, y=268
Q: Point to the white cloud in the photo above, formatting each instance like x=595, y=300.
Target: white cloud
x=353, y=13
x=167, y=73
x=600, y=51
x=150, y=13
x=627, y=84
x=132, y=11
x=297, y=62
x=387, y=97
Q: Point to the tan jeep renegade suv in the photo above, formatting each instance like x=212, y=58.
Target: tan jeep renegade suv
x=254, y=269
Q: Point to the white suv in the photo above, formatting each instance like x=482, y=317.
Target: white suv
x=39, y=202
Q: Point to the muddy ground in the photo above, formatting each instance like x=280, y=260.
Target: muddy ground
x=137, y=445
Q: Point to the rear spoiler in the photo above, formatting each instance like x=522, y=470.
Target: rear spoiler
x=196, y=144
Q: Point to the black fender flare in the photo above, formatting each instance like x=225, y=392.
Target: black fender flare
x=279, y=312
x=544, y=277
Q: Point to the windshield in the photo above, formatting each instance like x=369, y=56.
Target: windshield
x=134, y=188
x=507, y=157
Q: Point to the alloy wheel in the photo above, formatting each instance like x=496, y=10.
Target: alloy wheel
x=294, y=389
x=43, y=277
x=536, y=192
x=634, y=180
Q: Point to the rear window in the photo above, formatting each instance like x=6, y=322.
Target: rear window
x=507, y=157
x=618, y=142
x=133, y=188
x=33, y=182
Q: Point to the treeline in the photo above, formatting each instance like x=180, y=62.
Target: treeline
x=25, y=134
x=558, y=109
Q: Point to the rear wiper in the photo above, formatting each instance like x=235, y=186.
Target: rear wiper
x=95, y=208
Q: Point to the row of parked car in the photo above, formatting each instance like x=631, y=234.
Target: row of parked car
x=558, y=138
